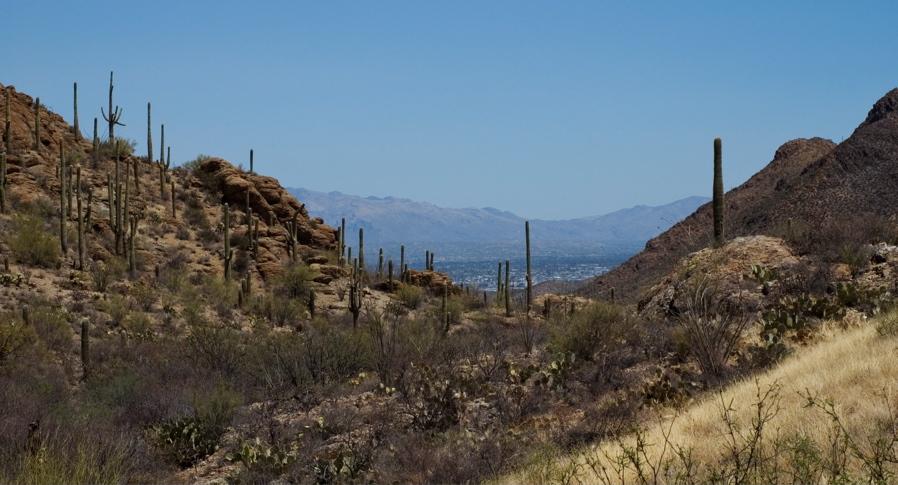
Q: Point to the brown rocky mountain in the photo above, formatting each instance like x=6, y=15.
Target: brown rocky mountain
x=818, y=195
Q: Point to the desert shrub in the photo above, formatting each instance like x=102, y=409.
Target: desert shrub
x=31, y=243
x=709, y=330
x=118, y=307
x=73, y=459
x=192, y=165
x=217, y=348
x=294, y=281
x=145, y=295
x=190, y=439
x=52, y=326
x=15, y=336
x=410, y=295
x=599, y=327
x=103, y=273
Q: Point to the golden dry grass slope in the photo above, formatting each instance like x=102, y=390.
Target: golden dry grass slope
x=827, y=414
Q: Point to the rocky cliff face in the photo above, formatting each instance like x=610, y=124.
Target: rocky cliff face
x=812, y=189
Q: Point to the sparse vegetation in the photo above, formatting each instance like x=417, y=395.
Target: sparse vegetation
x=259, y=369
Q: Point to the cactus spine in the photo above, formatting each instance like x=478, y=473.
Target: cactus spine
x=718, y=195
x=114, y=117
x=228, y=252
x=77, y=128
x=37, y=124
x=529, y=275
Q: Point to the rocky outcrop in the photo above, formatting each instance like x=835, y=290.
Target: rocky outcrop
x=271, y=202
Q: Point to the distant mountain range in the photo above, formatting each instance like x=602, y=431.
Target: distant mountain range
x=391, y=219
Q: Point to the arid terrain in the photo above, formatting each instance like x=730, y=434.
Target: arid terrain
x=193, y=324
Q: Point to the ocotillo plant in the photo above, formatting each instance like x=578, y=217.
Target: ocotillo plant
x=77, y=129
x=228, y=252
x=529, y=276
x=114, y=117
x=717, y=203
x=37, y=124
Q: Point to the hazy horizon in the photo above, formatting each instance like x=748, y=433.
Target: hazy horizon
x=553, y=111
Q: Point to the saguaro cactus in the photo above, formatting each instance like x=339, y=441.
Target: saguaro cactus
x=717, y=203
x=228, y=252
x=149, y=135
x=77, y=128
x=37, y=124
x=250, y=160
x=361, y=249
x=80, y=219
x=7, y=131
x=2, y=182
x=507, y=288
x=62, y=200
x=114, y=117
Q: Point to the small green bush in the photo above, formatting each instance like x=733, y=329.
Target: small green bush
x=410, y=295
x=596, y=328
x=31, y=243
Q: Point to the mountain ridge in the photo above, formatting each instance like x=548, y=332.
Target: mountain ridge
x=396, y=219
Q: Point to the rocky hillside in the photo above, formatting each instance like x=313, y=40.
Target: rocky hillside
x=823, y=198
x=390, y=219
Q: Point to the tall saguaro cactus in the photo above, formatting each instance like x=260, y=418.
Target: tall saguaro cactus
x=62, y=201
x=7, y=131
x=362, y=249
x=717, y=203
x=228, y=252
x=37, y=124
x=114, y=117
x=149, y=135
x=77, y=128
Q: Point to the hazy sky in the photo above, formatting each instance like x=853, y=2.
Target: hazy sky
x=551, y=110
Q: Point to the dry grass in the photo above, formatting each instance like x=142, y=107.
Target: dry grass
x=831, y=407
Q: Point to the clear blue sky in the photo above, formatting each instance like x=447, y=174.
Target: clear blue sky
x=551, y=110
